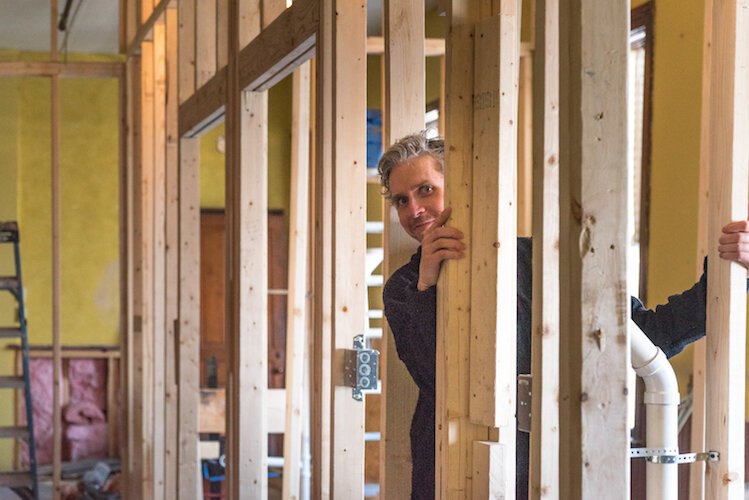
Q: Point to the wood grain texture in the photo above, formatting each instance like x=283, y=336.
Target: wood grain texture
x=296, y=313
x=593, y=143
x=186, y=49
x=205, y=41
x=171, y=276
x=726, y=282
x=188, y=333
x=405, y=102
x=544, y=454
x=494, y=245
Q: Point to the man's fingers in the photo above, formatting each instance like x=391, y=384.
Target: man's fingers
x=736, y=227
x=446, y=254
x=441, y=219
x=436, y=232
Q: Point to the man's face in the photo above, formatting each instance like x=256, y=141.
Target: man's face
x=417, y=193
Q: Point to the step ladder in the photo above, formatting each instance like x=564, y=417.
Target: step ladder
x=26, y=480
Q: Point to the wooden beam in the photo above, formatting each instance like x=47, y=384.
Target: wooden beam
x=222, y=41
x=493, y=353
x=61, y=69
x=341, y=151
x=172, y=254
x=188, y=333
x=213, y=411
x=699, y=351
x=247, y=278
x=296, y=315
x=593, y=173
x=493, y=383
x=544, y=449
x=404, y=105
x=186, y=49
x=159, y=257
x=145, y=30
x=455, y=432
x=205, y=41
x=525, y=147
x=726, y=281
x=145, y=384
x=271, y=56
x=489, y=472
x=271, y=9
x=433, y=47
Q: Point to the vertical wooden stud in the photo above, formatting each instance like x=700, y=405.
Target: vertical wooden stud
x=172, y=253
x=188, y=333
x=342, y=51
x=544, y=452
x=222, y=24
x=594, y=133
x=247, y=278
x=297, y=289
x=403, y=111
x=525, y=145
x=186, y=49
x=726, y=281
x=205, y=41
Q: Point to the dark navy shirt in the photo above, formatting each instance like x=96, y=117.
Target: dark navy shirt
x=412, y=316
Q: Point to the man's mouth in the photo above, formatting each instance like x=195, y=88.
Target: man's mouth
x=423, y=224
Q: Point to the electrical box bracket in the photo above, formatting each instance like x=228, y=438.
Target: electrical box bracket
x=361, y=368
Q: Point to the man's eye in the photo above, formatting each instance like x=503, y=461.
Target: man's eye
x=426, y=189
x=400, y=202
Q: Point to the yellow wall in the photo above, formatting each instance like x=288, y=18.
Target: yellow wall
x=89, y=221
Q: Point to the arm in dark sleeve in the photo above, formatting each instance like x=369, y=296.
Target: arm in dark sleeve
x=679, y=322
x=412, y=316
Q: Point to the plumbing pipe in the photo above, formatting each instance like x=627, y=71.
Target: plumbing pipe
x=661, y=404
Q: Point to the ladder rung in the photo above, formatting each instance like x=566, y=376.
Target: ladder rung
x=9, y=283
x=8, y=231
x=14, y=432
x=10, y=332
x=11, y=382
x=16, y=479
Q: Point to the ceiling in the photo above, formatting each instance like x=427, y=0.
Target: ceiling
x=93, y=24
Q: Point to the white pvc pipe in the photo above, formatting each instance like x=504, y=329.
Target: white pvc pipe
x=661, y=403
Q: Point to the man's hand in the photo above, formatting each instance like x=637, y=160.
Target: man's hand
x=734, y=242
x=439, y=243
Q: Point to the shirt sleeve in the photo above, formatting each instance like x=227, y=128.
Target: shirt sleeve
x=411, y=315
x=678, y=322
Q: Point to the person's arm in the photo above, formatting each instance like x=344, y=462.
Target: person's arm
x=679, y=322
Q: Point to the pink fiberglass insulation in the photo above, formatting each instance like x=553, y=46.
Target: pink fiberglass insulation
x=84, y=426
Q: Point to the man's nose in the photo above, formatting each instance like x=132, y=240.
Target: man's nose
x=415, y=208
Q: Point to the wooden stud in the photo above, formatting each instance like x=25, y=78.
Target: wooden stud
x=247, y=282
x=340, y=148
x=699, y=352
x=145, y=386
x=489, y=473
x=525, y=146
x=222, y=41
x=403, y=111
x=593, y=182
x=250, y=21
x=726, y=281
x=493, y=382
x=172, y=253
x=159, y=257
x=62, y=69
x=213, y=411
x=544, y=451
x=112, y=411
x=188, y=333
x=455, y=433
x=205, y=41
x=186, y=49
x=433, y=47
x=296, y=317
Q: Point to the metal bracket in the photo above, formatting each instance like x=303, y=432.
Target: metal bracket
x=360, y=368
x=525, y=397
x=672, y=456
